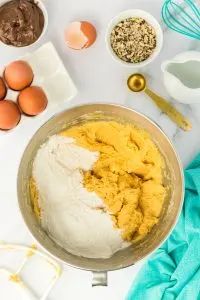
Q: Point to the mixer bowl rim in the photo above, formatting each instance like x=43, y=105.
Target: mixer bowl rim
x=181, y=179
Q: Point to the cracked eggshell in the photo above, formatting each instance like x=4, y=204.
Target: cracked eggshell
x=80, y=35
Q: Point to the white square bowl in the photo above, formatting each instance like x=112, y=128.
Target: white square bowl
x=51, y=75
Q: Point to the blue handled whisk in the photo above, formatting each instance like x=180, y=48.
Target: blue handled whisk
x=182, y=16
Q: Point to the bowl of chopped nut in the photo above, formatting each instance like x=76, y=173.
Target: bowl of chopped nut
x=134, y=38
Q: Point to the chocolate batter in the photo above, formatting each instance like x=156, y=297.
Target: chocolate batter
x=21, y=22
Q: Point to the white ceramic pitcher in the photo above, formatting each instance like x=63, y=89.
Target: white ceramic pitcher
x=182, y=77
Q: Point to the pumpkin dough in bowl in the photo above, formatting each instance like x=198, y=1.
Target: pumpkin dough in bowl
x=126, y=175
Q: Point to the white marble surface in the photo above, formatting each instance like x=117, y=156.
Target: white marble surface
x=98, y=79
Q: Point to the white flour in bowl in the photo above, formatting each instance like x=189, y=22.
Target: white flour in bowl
x=70, y=214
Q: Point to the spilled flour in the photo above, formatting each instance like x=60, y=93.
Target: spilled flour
x=74, y=218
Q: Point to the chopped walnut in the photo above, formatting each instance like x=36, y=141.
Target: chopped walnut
x=133, y=40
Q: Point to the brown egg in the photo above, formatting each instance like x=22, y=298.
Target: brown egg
x=3, y=89
x=9, y=114
x=18, y=75
x=80, y=35
x=32, y=100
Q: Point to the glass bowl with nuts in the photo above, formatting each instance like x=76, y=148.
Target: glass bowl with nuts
x=134, y=38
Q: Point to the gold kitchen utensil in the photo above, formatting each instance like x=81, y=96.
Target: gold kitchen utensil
x=137, y=83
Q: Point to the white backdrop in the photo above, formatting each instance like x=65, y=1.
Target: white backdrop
x=98, y=78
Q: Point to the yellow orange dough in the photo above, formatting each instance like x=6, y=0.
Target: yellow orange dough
x=127, y=176
x=34, y=197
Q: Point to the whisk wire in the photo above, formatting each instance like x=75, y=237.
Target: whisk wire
x=181, y=12
x=194, y=8
x=177, y=17
x=173, y=18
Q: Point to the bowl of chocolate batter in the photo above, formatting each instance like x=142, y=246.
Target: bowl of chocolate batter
x=22, y=22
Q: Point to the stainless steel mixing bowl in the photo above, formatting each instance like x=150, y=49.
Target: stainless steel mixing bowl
x=172, y=176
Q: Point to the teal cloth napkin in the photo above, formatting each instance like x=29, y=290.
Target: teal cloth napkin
x=173, y=272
